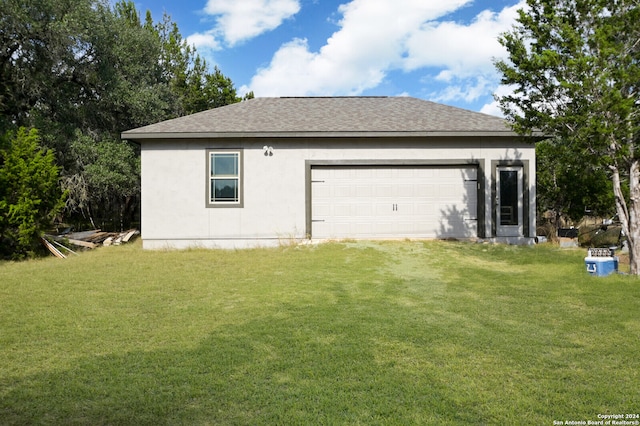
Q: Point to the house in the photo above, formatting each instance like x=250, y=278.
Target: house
x=266, y=170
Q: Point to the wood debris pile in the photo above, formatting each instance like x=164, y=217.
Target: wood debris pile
x=86, y=239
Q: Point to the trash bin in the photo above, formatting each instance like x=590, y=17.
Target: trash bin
x=601, y=262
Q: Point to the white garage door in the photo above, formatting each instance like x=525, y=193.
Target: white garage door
x=385, y=202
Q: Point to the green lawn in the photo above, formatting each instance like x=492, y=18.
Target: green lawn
x=341, y=333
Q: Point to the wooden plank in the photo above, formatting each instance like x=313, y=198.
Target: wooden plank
x=81, y=243
x=75, y=242
x=98, y=237
x=64, y=247
x=130, y=234
x=82, y=235
x=53, y=250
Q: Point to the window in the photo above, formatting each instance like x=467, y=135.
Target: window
x=224, y=186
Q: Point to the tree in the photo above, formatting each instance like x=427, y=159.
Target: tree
x=187, y=73
x=568, y=186
x=81, y=72
x=574, y=66
x=43, y=56
x=106, y=182
x=125, y=86
x=30, y=195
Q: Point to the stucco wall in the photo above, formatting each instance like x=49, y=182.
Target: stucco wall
x=174, y=184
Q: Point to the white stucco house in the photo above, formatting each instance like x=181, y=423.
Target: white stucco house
x=268, y=170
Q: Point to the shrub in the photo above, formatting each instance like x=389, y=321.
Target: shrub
x=30, y=194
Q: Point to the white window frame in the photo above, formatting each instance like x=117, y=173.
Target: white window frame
x=239, y=177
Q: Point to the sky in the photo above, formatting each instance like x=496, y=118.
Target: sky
x=437, y=50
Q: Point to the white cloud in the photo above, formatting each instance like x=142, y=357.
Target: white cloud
x=468, y=90
x=356, y=57
x=204, y=41
x=378, y=36
x=492, y=107
x=240, y=20
x=294, y=70
x=463, y=50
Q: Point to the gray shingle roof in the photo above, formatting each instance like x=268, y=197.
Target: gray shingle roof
x=330, y=116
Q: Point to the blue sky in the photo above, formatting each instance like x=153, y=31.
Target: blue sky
x=439, y=50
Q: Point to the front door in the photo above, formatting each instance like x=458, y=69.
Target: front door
x=509, y=195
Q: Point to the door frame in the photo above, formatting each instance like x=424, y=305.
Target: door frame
x=526, y=214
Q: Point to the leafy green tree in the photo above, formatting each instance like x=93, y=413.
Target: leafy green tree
x=81, y=72
x=84, y=64
x=208, y=90
x=79, y=64
x=43, y=55
x=126, y=76
x=30, y=195
x=574, y=66
x=187, y=72
x=106, y=183
x=568, y=186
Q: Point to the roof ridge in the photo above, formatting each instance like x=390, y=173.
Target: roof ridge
x=334, y=97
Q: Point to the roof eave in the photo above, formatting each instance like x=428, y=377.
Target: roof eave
x=339, y=134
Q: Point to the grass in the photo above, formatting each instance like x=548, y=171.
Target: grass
x=340, y=333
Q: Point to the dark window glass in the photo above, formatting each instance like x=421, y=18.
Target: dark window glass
x=509, y=197
x=225, y=190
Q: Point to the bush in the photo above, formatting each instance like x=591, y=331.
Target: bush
x=30, y=194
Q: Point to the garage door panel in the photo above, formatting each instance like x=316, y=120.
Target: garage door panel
x=407, y=190
x=383, y=209
x=342, y=228
x=427, y=193
x=426, y=209
x=322, y=228
x=322, y=192
x=405, y=210
x=470, y=173
x=322, y=211
x=406, y=173
x=343, y=191
x=362, y=173
x=406, y=228
x=322, y=173
x=383, y=190
x=384, y=228
x=364, y=191
x=364, y=209
x=370, y=202
x=364, y=228
x=382, y=173
x=342, y=210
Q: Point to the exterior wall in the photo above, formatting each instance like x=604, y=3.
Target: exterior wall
x=174, y=184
